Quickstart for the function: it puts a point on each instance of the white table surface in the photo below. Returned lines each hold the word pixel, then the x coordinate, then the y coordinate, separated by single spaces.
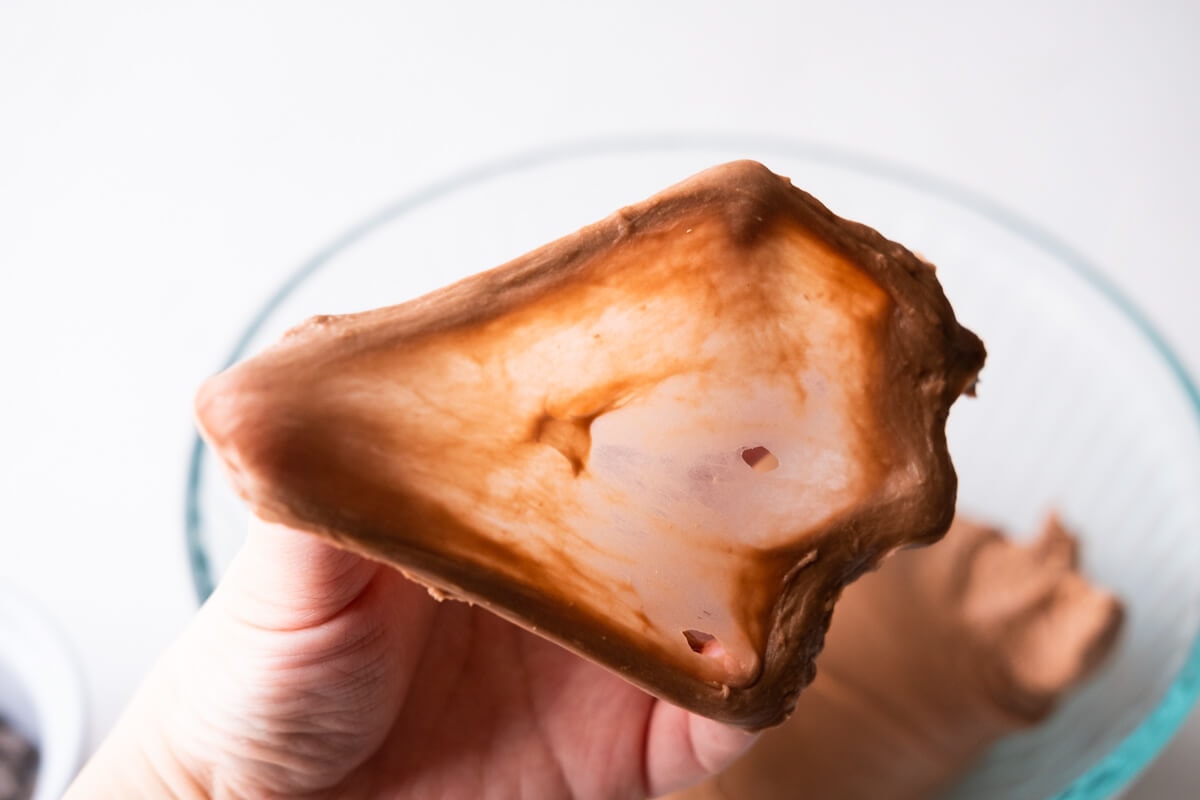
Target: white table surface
pixel 163 166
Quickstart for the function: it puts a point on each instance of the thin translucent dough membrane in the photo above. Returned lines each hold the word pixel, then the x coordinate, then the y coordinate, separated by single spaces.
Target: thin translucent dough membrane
pixel 665 441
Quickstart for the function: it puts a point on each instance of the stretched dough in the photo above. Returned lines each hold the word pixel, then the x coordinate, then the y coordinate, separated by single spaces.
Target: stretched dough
pixel 666 441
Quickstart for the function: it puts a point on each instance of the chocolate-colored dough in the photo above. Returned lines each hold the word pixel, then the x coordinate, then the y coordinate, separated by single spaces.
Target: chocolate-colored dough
pixel 665 441
pixel 929 661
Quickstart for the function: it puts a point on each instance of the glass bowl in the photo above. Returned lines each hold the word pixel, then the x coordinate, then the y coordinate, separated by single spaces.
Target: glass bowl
pixel 41 690
pixel 1082 407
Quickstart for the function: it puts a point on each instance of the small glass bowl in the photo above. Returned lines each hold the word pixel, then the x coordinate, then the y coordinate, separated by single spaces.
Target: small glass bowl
pixel 41 691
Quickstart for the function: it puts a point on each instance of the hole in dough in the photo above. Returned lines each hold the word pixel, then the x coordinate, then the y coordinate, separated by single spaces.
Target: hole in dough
pixel 759 459
pixel 702 642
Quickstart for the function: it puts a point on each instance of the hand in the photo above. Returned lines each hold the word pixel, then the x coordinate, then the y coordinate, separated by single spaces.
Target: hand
pixel 312 672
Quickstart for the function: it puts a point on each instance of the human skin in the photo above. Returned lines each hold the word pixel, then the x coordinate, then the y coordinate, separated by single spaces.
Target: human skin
pixel 315 673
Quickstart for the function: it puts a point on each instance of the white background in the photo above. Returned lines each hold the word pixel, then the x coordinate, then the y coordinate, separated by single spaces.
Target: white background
pixel 163 166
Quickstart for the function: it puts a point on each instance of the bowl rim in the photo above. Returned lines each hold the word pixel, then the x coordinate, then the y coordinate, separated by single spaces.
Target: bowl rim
pixel 1125 761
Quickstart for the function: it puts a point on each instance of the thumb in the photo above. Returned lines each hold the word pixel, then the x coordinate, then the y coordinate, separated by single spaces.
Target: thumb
pixel 285 579
pixel 683 748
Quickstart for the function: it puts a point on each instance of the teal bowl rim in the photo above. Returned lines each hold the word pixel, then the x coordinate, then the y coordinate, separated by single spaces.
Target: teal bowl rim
pixel 1106 777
